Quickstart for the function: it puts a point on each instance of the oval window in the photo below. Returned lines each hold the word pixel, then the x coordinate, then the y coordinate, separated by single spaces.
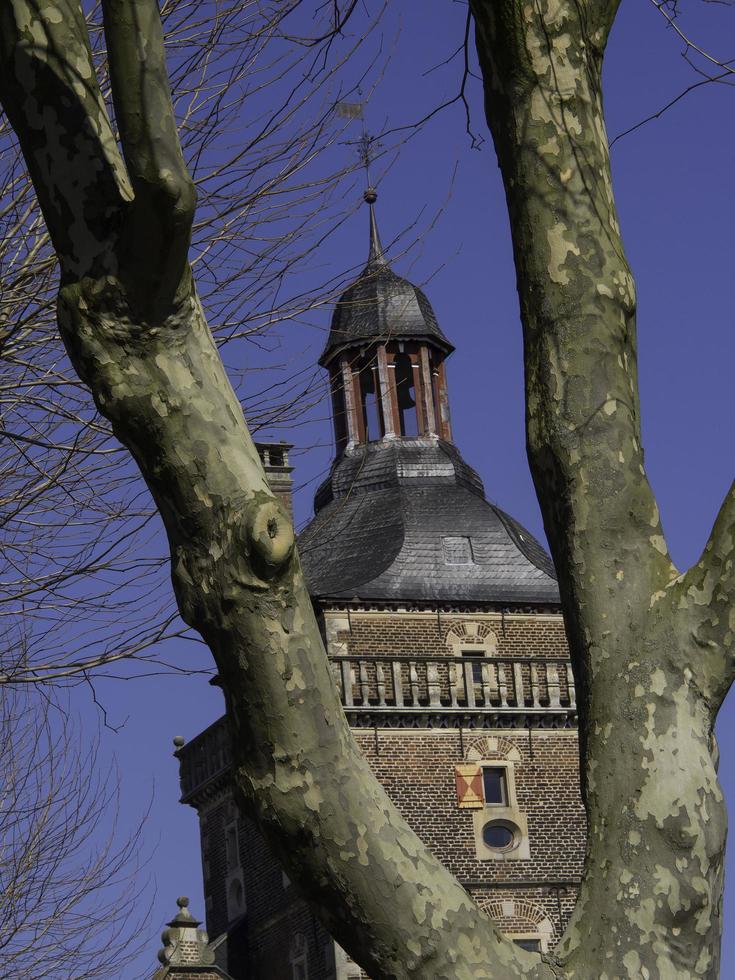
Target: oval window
pixel 499 836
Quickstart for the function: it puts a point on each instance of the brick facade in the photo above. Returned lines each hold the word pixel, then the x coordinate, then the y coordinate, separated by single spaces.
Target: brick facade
pixel 416 767
pixel 440 616
pixel 273 934
pixel 433 632
pixel 274 928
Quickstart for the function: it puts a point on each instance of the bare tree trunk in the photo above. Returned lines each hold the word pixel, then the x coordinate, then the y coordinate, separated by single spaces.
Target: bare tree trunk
pixel 652 649
pixel 134 329
pixel 82 562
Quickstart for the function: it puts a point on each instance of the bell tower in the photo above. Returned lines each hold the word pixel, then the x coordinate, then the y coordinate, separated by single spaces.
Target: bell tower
pixel 443 628
pixel 385 356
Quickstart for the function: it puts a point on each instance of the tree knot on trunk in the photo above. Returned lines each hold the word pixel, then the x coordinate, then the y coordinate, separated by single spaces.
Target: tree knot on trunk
pixel 271 537
pixel 118 315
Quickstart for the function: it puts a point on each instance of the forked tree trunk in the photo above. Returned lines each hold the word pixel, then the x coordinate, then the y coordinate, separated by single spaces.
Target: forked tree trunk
pixel 650 648
pixel 136 334
pixel 297 768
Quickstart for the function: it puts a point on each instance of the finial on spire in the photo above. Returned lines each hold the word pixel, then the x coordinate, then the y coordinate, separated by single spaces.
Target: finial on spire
pixel 375 256
pixel 366 145
pixel 183 917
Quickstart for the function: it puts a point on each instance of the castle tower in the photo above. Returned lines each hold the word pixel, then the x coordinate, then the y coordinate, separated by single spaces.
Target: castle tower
pixel 441 619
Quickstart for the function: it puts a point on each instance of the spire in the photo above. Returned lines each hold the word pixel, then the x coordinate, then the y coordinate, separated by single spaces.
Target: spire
pixel 375 256
pixel 380 304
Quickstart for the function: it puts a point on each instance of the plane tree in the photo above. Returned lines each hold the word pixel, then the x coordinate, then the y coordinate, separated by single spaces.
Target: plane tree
pixel 67 909
pixel 651 646
pixel 83 567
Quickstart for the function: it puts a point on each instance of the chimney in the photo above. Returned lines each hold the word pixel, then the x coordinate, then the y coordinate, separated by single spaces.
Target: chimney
pixel 274 457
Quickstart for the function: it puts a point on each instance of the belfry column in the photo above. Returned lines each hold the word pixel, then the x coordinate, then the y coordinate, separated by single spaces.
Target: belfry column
pixel 418 396
pixel 444 416
pixel 353 430
pixel 426 386
pixel 387 395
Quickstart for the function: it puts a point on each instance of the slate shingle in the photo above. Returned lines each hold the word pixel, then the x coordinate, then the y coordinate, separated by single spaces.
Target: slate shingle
pixel 380 306
pixel 380 524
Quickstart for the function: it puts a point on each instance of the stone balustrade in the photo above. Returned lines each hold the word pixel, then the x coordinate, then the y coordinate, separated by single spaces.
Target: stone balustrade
pixel 205 760
pixel 455 685
pixel 413 691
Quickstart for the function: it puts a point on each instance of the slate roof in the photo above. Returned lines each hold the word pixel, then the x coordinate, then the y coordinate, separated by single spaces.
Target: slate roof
pixel 381 306
pixel 407 520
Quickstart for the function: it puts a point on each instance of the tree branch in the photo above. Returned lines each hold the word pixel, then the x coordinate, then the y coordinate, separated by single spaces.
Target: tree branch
pixel 49 90
pixel 707 593
pixel 644 689
pixel 155 245
pixel 600 19
pixel 543 99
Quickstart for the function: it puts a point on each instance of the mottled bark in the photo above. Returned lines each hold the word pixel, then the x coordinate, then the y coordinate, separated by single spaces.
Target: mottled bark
pixel 134 329
pixel 238 583
pixel 652 649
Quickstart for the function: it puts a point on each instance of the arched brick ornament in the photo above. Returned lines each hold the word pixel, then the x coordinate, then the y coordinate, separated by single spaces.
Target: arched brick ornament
pixel 476 635
pixel 520 919
pixel 492 747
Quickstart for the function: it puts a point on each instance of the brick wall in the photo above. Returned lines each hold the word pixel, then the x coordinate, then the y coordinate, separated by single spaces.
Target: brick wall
pixel 416 767
pixel 278 926
pixel 377 632
pixel 528 896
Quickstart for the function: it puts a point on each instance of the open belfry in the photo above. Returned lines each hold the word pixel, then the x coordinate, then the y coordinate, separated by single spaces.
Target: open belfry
pixel 441 619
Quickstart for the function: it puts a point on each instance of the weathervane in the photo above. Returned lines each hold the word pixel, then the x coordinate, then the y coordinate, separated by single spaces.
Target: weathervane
pixel 366 144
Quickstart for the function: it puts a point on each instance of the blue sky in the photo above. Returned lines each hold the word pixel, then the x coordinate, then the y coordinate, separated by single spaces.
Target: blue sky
pixel 443 201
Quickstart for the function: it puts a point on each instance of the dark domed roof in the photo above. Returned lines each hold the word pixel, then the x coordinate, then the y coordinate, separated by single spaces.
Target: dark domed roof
pixel 407 520
pixel 380 306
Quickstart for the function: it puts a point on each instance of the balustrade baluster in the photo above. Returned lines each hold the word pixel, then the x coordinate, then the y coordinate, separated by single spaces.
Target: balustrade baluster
pixel 502 686
pixel 572 688
pixel 469 684
pixel 552 679
pixel 486 685
pixel 535 687
pixel 380 684
pixel 453 684
pixel 518 685
pixel 364 685
pixel 432 682
pixel 494 690
pixel 397 684
pixel 336 673
pixel 346 667
pixel 414 678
